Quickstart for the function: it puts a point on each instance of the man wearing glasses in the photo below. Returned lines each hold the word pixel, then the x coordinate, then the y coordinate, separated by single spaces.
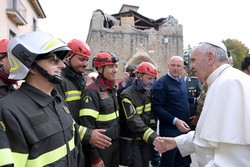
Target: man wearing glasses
pixel 36 121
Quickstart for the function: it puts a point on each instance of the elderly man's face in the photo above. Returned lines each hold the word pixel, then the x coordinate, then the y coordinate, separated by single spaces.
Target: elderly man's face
pixel 175 67
pixel 199 65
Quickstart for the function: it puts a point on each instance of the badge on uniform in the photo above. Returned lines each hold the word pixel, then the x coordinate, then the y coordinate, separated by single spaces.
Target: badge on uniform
pixel 104 95
pixel 66 109
pixel 87 99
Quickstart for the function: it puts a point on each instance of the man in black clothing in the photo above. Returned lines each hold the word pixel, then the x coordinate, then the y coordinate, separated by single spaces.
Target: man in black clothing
pixel 73 80
pixel 100 109
pixel 170 104
pixel 194 90
pixel 136 117
pixel 37 122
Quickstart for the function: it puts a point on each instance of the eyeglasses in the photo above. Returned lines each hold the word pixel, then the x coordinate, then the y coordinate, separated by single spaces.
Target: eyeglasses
pixel 113 59
pixel 52 58
pixel 4 55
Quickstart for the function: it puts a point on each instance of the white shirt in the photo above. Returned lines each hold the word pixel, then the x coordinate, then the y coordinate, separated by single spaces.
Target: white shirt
pixel 222 136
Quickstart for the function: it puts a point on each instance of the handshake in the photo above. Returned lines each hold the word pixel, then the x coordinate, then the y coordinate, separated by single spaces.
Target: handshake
pixel 163 144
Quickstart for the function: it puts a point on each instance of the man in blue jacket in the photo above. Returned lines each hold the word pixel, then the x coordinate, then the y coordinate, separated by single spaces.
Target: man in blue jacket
pixel 170 104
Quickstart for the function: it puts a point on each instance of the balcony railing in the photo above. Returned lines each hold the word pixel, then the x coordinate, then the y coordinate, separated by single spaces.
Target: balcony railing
pixel 17 11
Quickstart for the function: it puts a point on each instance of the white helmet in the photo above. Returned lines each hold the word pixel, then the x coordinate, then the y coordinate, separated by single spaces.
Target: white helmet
pixel 23 51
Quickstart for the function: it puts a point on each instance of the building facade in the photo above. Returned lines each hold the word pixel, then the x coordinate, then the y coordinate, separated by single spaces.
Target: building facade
pixel 135 38
pixel 19 17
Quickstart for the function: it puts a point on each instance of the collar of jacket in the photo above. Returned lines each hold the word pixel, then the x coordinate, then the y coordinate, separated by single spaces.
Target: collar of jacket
pixel 104 83
pixel 78 80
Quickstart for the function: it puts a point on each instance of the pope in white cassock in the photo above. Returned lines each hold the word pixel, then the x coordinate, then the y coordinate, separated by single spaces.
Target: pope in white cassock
pixel 222 136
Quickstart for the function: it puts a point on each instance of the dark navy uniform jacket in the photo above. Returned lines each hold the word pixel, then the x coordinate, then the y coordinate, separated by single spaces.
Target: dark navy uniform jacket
pixel 194 90
pixel 40 129
pixel 71 90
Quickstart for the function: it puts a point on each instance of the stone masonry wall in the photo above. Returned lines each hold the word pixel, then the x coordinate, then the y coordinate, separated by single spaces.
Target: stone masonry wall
pixel 124 41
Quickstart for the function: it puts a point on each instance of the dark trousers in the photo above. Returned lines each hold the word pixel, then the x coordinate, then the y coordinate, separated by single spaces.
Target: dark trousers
pixel 140 154
pixel 110 155
pixel 155 157
pixel 173 157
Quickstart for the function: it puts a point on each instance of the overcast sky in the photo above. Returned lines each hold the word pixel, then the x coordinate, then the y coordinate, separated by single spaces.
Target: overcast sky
pixel 201 19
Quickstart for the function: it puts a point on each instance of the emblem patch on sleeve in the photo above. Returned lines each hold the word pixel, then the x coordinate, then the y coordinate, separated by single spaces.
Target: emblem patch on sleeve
pixel 87 99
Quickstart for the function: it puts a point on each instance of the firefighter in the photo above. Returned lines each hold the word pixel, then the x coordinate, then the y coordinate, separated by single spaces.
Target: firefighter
pixel 6 85
pixel 136 117
pixel 100 109
pixel 37 122
pixel 73 80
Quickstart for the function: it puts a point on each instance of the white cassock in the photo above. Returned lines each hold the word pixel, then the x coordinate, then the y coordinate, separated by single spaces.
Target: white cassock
pixel 222 136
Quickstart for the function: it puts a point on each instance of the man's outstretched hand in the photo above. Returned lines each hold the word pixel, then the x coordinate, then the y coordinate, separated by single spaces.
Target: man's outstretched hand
pixel 99 140
pixel 167 143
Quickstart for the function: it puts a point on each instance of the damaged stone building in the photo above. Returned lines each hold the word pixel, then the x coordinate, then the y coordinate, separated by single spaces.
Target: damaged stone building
pixel 135 38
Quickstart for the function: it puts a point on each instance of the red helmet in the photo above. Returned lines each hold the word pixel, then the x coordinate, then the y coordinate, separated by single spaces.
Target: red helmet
pixel 147 68
pixel 104 58
pixel 3 45
pixel 79 47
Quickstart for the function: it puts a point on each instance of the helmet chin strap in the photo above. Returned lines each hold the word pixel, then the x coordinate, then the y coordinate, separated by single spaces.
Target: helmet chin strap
pixel 55 79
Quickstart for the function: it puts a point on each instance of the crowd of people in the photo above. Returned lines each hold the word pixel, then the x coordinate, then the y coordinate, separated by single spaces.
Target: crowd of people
pixel 60 118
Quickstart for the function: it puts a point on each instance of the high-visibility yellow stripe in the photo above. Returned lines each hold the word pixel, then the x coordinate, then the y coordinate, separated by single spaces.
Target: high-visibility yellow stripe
pixel 146 109
pixel 15 64
pixel 146 135
pixel 82 130
pixel 52 43
pixel 152 121
pixel 73 95
pixel 73 92
pixel 107 117
pixel 73 98
pixel 139 110
pixel 52 156
pixel 125 100
pixel 6 157
pixel 88 112
pixel 20 159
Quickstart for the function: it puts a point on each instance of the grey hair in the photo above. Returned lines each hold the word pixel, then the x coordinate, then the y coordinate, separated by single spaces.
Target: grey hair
pixel 220 53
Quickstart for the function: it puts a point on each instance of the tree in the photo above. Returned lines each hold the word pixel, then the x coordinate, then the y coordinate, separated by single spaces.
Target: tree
pixel 238 51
